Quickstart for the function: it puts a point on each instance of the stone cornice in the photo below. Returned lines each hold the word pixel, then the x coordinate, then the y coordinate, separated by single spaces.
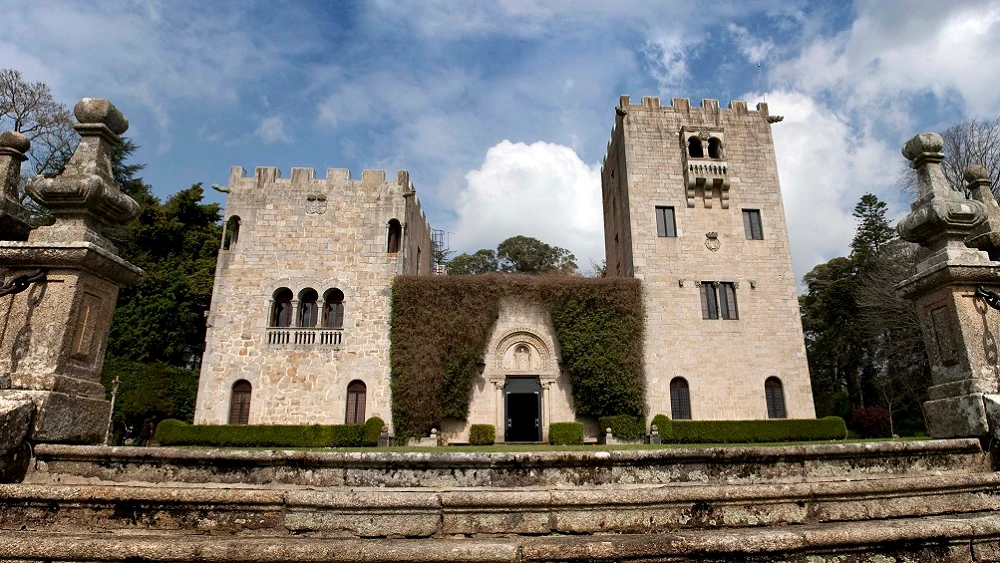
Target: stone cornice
pixel 945 274
pixel 83 255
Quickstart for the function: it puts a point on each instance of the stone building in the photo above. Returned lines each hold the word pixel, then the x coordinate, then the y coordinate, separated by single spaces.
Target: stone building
pixel 692 207
pixel 298 330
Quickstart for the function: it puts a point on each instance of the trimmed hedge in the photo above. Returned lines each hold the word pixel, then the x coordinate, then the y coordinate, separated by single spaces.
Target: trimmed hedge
pixel 434 356
pixel 482 435
pixel 373 429
pixel 566 433
pixel 749 431
pixel 623 426
pixel 172 432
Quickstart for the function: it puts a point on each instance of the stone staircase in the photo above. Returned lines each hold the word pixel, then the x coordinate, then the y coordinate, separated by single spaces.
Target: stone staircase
pixel 901 501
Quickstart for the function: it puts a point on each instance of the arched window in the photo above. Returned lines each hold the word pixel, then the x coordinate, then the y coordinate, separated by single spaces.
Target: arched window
pixel 680 399
pixel 714 147
pixel 356 402
pixel 308 308
pixel 333 309
pixel 395 234
pixel 694 148
pixel 232 232
pixel 775 398
pixel 281 308
pixel 239 402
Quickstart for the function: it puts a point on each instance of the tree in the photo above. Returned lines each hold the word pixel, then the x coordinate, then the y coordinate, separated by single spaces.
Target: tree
pixel 531 256
pixel 970 142
pixel 873 231
pixel 29 109
pixel 480 262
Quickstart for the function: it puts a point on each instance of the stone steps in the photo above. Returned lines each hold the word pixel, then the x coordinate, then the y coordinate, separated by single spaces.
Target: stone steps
pixel 729 465
pixel 950 539
pixel 382 512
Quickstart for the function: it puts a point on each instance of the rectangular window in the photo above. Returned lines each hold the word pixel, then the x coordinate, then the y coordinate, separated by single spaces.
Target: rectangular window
pixel 751 224
pixel 718 301
pixel 665 225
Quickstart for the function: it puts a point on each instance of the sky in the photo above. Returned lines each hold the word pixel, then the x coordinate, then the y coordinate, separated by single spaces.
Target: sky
pixel 502 111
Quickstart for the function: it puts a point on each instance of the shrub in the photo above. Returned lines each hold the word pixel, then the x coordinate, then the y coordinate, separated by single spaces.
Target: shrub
pixel 749 431
pixel 373 429
pixel 176 433
pixel 871 422
pixel 566 433
pixel 482 435
pixel 623 426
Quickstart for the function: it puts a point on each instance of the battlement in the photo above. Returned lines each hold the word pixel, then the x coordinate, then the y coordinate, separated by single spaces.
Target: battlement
pixel 683 105
pixel 272 175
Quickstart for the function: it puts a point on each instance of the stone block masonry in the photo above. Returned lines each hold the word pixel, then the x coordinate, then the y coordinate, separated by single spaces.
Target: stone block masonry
pixel 305 233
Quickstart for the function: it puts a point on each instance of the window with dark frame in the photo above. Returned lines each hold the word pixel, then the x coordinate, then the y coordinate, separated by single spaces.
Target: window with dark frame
pixel 751 224
pixel 281 308
pixel 356 392
pixel 665 224
pixel 308 308
pixel 775 395
pixel 680 399
pixel 239 402
pixel 333 309
pixel 718 301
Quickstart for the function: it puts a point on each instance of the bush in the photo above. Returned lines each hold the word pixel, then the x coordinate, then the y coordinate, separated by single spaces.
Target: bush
pixel 373 429
pixel 176 433
pixel 566 433
pixel 623 426
pixel 482 435
pixel 871 422
pixel 749 431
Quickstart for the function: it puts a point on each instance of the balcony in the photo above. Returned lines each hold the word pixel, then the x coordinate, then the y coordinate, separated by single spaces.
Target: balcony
pixel 299 336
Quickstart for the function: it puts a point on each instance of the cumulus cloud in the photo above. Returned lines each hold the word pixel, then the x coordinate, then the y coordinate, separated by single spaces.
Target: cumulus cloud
pixel 754 49
pixel 272 130
pixel 541 190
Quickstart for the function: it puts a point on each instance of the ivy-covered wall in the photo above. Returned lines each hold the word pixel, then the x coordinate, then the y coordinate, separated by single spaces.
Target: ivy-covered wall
pixel 441 324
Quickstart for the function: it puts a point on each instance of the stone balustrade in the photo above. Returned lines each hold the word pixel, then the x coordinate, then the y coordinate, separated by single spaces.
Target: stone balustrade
pixel 291 336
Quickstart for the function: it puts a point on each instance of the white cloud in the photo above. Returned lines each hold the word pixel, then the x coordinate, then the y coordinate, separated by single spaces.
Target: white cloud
pixel 754 49
pixel 667 56
pixel 541 190
pixel 272 130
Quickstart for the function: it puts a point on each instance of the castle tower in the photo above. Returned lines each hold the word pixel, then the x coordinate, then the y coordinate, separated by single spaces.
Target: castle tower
pixel 692 207
pixel 299 325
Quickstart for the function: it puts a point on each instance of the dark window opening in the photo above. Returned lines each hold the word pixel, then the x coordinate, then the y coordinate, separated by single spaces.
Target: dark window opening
pixel 665 224
pixel 695 149
pixel 356 392
pixel 718 301
pixel 395 234
pixel 775 396
pixel 751 224
pixel 281 308
pixel 680 399
pixel 232 235
pixel 239 402
pixel 333 309
pixel 714 148
pixel 308 308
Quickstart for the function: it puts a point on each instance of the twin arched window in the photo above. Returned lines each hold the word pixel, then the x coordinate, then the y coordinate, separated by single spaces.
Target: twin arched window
pixel 309 312
pixel 680 399
pixel 697 150
pixel 239 402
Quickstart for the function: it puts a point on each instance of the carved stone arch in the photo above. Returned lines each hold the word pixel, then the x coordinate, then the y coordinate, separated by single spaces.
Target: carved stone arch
pixel 523 336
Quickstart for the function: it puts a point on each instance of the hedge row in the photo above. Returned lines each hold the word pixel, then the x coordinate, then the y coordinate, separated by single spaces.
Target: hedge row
pixel 482 435
pixel 749 431
pixel 176 433
pixel 566 434
pixel 598 324
pixel 623 426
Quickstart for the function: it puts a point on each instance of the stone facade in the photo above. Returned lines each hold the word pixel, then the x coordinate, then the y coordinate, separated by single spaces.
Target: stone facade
pixel 650 163
pixel 304 233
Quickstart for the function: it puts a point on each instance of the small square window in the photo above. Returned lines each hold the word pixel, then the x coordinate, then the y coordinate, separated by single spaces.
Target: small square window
pixel 665 225
pixel 751 224
pixel 718 301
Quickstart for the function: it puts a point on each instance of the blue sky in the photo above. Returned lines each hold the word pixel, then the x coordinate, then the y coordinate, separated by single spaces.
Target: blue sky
pixel 501 111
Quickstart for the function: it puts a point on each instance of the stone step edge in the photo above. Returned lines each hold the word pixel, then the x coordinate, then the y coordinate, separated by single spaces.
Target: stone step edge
pixel 968 533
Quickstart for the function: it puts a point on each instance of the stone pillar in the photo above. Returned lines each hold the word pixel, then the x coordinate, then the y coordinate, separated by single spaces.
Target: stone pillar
pixel 14 219
pixel 53 336
pixel 546 408
pixel 960 331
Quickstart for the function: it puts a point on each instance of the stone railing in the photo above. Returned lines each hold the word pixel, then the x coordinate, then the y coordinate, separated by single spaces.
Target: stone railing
pixel 289 336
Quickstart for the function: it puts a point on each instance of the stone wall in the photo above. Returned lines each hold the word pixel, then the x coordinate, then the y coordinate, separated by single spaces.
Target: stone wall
pixel 298 233
pixel 725 362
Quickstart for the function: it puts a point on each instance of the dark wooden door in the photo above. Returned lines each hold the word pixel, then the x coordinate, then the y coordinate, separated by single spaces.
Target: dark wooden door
pixel 524 410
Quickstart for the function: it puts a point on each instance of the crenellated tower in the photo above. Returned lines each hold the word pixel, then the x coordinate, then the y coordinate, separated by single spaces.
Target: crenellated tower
pixel 298 331
pixel 692 207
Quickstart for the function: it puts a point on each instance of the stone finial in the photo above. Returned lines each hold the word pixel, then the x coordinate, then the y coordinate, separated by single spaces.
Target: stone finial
pixel 15 222
pixel 85 197
pixel 940 218
pixel 986 236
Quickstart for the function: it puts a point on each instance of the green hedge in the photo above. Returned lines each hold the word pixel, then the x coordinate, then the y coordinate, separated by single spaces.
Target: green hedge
pixel 172 432
pixel 482 435
pixel 373 429
pixel 566 434
pixel 623 426
pixel 749 431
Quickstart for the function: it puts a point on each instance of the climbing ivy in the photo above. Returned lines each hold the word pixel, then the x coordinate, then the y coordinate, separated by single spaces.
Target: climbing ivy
pixel 441 326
